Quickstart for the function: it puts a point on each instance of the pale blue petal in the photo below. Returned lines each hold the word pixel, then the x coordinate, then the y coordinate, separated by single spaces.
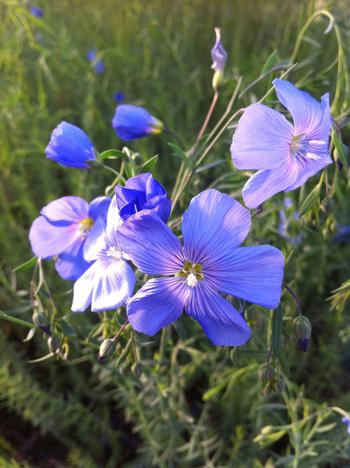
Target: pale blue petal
pixel 99 207
pixel 48 240
pixel 150 244
pixel 71 264
pixel 66 210
pixel 254 274
pixel 221 322
pixel 157 304
pixel 262 139
pixel 213 224
pixel 95 241
pixel 114 283
pixel 264 184
pixel 83 287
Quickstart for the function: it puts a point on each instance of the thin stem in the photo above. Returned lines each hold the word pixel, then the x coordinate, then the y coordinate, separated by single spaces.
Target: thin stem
pixel 16 320
pixel 110 169
pixel 205 123
pixel 294 296
pixel 120 331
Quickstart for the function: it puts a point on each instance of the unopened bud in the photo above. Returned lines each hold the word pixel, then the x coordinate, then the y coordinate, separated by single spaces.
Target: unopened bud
pixel 106 349
pixel 303 329
pixel 266 373
pixel 136 369
pixel 41 322
pixel 53 344
pixel 219 57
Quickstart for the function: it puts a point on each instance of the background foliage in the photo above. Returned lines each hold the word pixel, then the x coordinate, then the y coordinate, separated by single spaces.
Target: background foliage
pixel 174 400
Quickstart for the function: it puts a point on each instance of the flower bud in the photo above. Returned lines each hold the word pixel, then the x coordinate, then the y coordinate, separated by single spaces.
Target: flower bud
pixel 41 322
pixel 53 344
pixel 219 57
pixel 266 373
pixel 302 327
pixel 106 349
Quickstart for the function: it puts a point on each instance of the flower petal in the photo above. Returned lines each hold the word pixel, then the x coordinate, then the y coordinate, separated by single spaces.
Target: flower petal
pixel 82 291
pixel 308 168
pixel 262 139
pixel 66 210
pixel 222 323
pixel 114 283
pixel 157 304
pixel 71 264
pixel 264 184
pixel 254 274
pixel 213 223
pixel 310 117
pixel 95 240
pixel 150 244
pixel 99 207
pixel 48 240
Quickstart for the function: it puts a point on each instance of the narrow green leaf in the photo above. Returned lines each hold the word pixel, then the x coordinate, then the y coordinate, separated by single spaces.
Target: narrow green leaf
pixel 311 200
pixel 110 154
pixel 179 153
pixel 67 330
pixel 270 62
pixel 277 322
pixel 149 165
pixel 282 358
pixel 26 265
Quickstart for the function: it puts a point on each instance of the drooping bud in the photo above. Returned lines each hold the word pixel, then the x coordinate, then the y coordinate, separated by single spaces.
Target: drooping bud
pixel 219 57
pixel 106 349
pixel 303 329
pixel 41 322
pixel 53 344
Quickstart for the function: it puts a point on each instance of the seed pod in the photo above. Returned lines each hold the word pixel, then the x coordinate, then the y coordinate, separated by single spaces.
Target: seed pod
pixel 106 349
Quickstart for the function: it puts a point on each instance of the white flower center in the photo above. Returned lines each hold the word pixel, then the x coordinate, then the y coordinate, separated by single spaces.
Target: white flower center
pixel 115 253
pixel 192 280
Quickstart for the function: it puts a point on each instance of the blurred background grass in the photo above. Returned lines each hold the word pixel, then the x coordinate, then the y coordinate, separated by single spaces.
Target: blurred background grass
pixel 207 409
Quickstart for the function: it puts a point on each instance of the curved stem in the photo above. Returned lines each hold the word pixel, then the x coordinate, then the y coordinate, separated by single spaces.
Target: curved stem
pixel 294 296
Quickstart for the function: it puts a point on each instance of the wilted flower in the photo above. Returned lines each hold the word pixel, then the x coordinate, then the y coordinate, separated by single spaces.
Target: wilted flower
pixel 285 155
pixel 97 63
pixel 37 12
pixel 63 228
pixel 210 262
pixel 69 146
pixel 219 57
pixel 109 281
pixel 142 192
pixel 133 122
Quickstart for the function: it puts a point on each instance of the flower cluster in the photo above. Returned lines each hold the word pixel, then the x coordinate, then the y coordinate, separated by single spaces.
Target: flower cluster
pixel 99 245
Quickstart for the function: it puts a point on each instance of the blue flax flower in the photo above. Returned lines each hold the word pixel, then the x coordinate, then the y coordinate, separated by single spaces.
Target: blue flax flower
pixel 346 421
pixel 133 122
pixel 142 192
pixel 210 262
pixel 62 230
pixel 284 154
pixel 97 63
pixel 37 12
pixel 119 97
pixel 69 146
pixel 109 281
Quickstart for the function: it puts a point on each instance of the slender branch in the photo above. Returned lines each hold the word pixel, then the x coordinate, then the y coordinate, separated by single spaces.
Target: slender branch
pixel 120 331
pixel 294 296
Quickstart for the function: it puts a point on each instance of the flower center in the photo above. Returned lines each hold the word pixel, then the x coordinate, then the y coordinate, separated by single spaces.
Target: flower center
pixel 114 253
pixel 192 272
pixel 86 225
pixel 303 148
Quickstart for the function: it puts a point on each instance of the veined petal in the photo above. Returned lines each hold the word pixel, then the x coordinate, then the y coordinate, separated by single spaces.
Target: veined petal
pixel 99 207
pixel 157 304
pixel 308 168
pixel 71 264
pixel 262 139
pixel 82 291
pixel 48 240
pixel 95 240
pixel 264 184
pixel 113 284
pixel 310 117
pixel 222 323
pixel 66 210
pixel 113 222
pixel 213 223
pixel 150 244
pixel 254 274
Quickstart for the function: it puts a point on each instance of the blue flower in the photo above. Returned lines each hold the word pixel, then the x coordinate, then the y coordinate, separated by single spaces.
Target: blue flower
pixel 346 421
pixel 69 146
pixel 109 282
pixel 284 154
pixel 62 230
pixel 343 234
pixel 210 262
pixel 142 192
pixel 132 122
pixel 97 63
pixel 37 12
pixel 119 97
pixel 218 53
